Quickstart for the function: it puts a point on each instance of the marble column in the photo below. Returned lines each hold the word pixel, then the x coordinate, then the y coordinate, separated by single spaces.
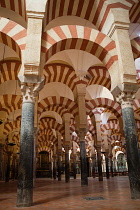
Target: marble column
pixel 35 155
pixel 74 159
pixel 54 167
pixel 25 173
pixel 97 115
pixel 59 156
pixel 107 166
pixel 67 164
pixel 111 165
pixel 67 146
pixel 126 98
pixel 84 172
pixel 93 166
pixel 59 166
pixel 99 160
pixel 74 166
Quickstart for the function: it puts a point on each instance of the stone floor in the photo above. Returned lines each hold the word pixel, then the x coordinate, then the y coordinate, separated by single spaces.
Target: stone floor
pixel 53 195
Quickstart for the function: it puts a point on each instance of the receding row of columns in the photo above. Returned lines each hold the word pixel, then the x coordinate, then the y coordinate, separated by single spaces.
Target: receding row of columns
pixel 25 177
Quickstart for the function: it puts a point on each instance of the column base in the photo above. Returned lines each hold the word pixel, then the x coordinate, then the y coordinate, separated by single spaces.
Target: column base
pixel 24 198
pixel 84 183
pixel 101 178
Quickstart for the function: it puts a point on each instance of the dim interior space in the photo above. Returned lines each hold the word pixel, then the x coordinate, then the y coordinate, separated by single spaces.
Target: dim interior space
pixel 69 104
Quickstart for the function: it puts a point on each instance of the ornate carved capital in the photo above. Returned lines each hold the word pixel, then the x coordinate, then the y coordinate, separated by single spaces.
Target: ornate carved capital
pixel 126 99
pixel 29 91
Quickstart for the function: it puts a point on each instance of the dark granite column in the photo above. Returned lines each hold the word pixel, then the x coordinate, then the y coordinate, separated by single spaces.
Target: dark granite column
pixel 99 160
pixel 59 167
pixel 111 166
pixel 131 144
pixel 67 164
pixel 25 173
pixel 74 166
pixel 93 166
pixel 54 167
pixel 84 172
pixel 107 166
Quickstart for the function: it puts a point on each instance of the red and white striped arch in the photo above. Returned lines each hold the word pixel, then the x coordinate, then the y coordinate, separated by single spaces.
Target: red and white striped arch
pixel 62 73
pixel 136 106
pixel 99 75
pixel 120 149
pixel 11 126
pixel 115 137
pixel 15 31
pixel 103 102
pixel 43 147
pixel 69 105
pixel 75 138
pixel 16 139
pixel 91 129
pixel 58 109
pixel 51 123
pixel 80 38
pixel 9 103
pixel 19 7
pixel 135 43
pixel 5 39
pixel 95 11
pixel 135 13
pixel 110 126
pixel 9 70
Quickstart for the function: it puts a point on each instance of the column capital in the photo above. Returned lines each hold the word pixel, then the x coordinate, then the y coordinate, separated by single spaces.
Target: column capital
pixel 30 86
pixel 82 133
pixel 126 99
pixel 98 147
pixel 67 145
pixel 30 91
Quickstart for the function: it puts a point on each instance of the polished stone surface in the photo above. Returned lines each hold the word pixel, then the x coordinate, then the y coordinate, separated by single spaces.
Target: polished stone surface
pixel 25 173
pixel 50 194
pixel 132 151
pixel 84 173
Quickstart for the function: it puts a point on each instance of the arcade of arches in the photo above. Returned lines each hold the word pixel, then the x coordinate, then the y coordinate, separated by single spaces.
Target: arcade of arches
pixel 69 91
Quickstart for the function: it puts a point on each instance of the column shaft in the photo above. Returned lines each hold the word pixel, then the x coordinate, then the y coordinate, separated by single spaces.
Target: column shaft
pixel 67 166
pixel 7 173
pixel 59 168
pixel 111 167
pixel 84 173
pixel 54 168
pixel 132 151
pixel 74 166
pixel 93 167
pixel 25 174
pixel 99 159
pixel 107 166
